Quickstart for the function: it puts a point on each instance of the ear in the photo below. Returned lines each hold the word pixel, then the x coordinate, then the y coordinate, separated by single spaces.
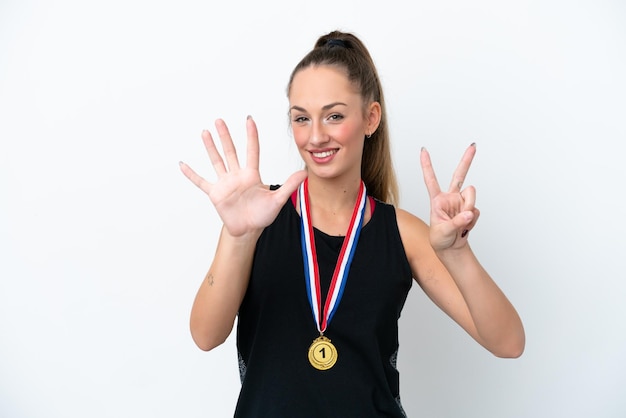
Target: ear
pixel 373 116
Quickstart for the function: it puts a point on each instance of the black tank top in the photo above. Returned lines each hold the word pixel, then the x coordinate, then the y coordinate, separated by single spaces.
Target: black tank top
pixel 276 327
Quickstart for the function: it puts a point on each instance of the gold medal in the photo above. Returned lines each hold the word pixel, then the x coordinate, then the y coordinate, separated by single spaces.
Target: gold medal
pixel 322 353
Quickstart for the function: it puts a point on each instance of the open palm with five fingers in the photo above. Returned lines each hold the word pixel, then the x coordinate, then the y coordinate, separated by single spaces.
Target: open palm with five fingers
pixel 242 201
pixel 452 213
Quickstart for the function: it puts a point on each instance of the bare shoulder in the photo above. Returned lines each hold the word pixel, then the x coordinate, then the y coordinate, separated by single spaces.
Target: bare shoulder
pixel 410 225
pixel 414 233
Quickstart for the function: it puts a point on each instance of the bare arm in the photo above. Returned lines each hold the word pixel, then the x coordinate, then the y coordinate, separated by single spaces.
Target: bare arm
pixel 246 206
pixel 498 325
pixel 222 290
pixel 446 268
pixel 463 290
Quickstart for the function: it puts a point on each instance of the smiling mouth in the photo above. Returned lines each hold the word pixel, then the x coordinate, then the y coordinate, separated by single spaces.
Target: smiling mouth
pixel 324 154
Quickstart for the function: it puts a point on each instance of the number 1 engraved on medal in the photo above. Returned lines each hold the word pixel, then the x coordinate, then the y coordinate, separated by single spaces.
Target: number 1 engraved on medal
pixel 322 353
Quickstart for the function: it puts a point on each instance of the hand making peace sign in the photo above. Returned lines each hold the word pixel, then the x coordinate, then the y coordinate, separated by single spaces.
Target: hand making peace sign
pixel 452 213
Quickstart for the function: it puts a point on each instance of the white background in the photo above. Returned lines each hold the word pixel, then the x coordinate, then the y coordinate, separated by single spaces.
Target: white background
pixel 103 242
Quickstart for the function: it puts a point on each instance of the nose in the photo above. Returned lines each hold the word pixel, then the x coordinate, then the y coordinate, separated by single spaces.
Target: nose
pixel 319 136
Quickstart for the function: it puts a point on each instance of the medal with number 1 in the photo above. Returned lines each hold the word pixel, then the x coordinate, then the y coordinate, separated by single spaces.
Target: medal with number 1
pixel 322 353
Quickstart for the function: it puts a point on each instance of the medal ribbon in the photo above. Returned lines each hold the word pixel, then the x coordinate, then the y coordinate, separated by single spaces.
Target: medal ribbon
pixel 311 268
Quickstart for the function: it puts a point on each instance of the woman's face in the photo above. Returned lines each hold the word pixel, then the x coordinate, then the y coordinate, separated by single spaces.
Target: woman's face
pixel 327 121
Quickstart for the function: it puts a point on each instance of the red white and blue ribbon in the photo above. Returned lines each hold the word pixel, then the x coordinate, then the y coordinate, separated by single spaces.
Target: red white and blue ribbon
pixel 311 268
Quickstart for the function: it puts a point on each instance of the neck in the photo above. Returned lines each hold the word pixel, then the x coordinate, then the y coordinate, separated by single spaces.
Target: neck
pixel 335 196
pixel 332 204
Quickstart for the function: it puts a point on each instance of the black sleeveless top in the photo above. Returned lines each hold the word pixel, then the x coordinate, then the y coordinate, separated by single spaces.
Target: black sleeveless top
pixel 276 326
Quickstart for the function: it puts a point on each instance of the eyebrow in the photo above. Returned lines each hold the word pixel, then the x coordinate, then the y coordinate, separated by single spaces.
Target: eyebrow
pixel 325 107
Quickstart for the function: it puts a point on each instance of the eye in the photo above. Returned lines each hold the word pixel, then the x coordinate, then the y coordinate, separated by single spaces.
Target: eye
pixel 300 119
pixel 335 117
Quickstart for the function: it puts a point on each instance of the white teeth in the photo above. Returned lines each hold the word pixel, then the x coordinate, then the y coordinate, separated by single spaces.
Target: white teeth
pixel 324 154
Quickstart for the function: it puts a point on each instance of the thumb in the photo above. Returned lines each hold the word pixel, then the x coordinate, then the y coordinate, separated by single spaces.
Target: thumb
pixel 461 221
pixel 290 185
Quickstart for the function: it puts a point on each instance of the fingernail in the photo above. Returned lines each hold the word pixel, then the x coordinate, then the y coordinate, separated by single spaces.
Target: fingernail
pixel 464 233
pixel 473 144
pixel 249 117
pixel 423 148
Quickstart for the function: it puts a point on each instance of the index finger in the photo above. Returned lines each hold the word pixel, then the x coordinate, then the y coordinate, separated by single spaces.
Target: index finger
pixel 432 185
pixel 461 170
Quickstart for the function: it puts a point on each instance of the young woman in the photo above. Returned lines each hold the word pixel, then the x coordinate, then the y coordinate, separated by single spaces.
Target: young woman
pixel 317 271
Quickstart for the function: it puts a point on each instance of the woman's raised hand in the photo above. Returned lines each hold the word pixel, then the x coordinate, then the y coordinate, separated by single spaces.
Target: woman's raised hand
pixel 242 201
pixel 452 213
